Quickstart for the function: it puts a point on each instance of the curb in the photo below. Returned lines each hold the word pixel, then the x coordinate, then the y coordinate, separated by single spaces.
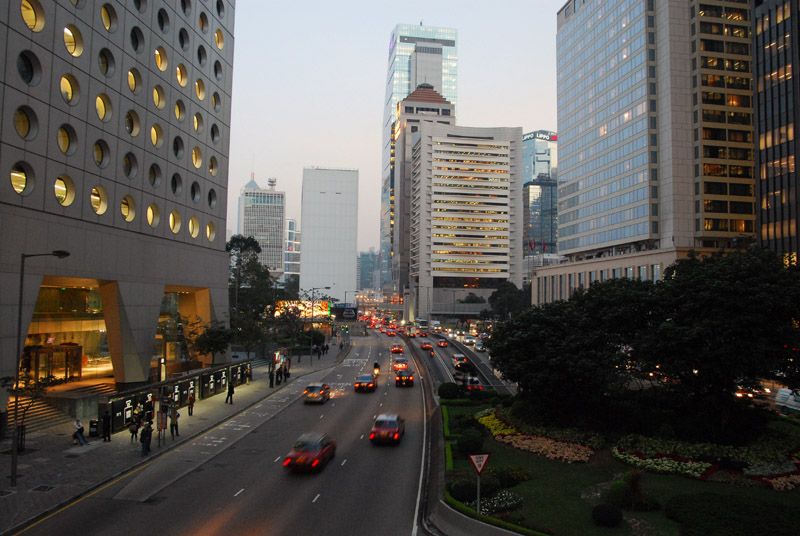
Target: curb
pixel 24 524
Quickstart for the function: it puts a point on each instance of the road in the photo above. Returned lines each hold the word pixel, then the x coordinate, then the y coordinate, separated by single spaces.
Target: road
pixel 230 480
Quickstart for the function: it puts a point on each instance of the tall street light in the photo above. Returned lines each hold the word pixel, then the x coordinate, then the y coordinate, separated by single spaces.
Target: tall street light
pixel 61 254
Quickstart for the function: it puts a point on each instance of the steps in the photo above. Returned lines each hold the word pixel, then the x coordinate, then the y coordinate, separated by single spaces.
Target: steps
pixel 39 415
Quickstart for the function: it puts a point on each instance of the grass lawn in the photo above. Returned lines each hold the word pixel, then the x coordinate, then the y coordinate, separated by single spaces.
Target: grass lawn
pixel 560 496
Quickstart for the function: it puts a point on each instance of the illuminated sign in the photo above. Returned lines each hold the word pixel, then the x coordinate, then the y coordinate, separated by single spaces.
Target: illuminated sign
pixel 303 308
pixel 544 135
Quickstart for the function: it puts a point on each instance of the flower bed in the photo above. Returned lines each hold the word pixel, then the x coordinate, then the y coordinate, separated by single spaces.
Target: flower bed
pixel 784 483
pixel 502 501
pixel 663 464
pixel 543 446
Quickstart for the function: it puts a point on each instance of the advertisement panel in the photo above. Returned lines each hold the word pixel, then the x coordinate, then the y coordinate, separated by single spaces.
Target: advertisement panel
pixel 302 308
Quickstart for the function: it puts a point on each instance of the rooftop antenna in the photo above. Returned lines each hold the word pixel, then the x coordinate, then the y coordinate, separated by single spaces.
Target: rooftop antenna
pixel 272 182
pixel 420 22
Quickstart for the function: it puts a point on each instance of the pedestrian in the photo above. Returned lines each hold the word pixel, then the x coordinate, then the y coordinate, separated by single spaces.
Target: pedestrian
pixel 271 379
pixel 242 375
pixel 190 403
pixel 106 426
pixel 230 393
pixel 77 435
pixel 133 428
pixel 279 376
pixel 145 437
pixel 174 415
pixel 341 345
pixel 326 348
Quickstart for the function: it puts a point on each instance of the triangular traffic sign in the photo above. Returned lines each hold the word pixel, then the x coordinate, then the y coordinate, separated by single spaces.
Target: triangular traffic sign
pixel 478 461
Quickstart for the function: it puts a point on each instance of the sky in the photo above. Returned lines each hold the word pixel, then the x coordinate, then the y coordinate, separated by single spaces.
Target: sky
pixel 309 84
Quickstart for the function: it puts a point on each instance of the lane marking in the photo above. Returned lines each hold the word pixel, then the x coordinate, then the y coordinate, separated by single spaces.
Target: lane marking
pixel 362 436
pixel 315 499
pixel 238 492
pixel 414 527
pixel 380 405
pixel 276 459
pixel 344 462
pixel 321 416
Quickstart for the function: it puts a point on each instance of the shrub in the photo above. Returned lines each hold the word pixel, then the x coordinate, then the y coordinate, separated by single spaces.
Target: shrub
pixel 460 423
pixel 465 489
pixel 502 501
pixel 716 514
pixel 470 442
pixel 511 476
pixel 606 515
pixel 449 390
pixel 628 494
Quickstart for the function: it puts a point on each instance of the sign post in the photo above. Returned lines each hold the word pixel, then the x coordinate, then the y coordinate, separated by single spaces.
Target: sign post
pixel 478 462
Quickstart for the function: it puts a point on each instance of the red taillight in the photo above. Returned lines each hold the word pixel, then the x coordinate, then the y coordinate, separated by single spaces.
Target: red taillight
pixel 315 462
pixel 397 378
pixel 411 378
pixel 287 462
pixel 372 435
pixel 396 436
pixel 369 385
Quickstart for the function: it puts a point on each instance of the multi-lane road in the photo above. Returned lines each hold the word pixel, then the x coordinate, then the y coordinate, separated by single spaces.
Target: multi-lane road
pixel 230 480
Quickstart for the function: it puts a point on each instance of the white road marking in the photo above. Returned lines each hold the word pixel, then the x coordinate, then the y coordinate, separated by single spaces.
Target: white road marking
pixel 374 416
pixel 276 459
pixel 362 436
pixel 315 498
pixel 421 463
pixel 344 462
pixel 321 416
pixel 380 405
pixel 238 492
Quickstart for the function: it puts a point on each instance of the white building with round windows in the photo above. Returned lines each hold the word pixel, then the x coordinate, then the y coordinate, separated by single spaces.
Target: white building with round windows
pixel 114 140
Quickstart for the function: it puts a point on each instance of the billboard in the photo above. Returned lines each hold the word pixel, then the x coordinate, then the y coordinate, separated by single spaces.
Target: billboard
pixel 544 135
pixel 303 308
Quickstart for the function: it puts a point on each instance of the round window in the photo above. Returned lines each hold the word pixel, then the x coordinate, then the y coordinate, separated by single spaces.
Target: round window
pixel 64 190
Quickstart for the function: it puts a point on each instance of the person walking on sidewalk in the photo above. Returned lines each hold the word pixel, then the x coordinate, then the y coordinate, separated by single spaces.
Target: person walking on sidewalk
pixel 78 434
pixel 133 428
pixel 145 437
pixel 173 421
pixel 106 426
pixel 190 403
pixel 271 379
pixel 230 393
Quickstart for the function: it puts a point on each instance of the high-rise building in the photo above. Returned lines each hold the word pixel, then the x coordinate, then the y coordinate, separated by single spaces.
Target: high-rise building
pixel 262 215
pixel 330 231
pixel 466 218
pixel 368 272
pixel 291 256
pixel 656 144
pixel 114 147
pixel 540 192
pixel 417 54
pixel 775 58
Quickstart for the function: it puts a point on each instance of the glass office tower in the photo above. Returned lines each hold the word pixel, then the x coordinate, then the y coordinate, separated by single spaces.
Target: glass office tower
pixel 417 54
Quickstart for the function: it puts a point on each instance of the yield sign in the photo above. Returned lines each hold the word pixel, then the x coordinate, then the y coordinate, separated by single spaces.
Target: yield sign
pixel 478 461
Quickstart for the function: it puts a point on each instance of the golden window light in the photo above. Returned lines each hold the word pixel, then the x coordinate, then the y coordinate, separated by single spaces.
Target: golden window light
pixel 153 215
pixel 64 190
pixel 175 221
pixel 32 15
pixel 102 105
pixel 194 227
pixel 69 89
pixel 127 208
pixel 99 200
pixel 21 180
pixel 181 76
pixel 73 41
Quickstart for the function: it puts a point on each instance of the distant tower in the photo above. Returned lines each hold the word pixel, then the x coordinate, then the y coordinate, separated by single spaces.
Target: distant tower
pixel 262 215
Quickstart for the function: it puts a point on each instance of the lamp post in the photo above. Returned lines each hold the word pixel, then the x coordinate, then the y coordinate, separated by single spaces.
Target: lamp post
pixel 59 253
pixel 311 343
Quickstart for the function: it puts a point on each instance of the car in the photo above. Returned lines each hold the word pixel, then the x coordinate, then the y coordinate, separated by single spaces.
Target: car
pixel 459 359
pixel 382 329
pixel 388 428
pixel 311 452
pixel 469 340
pixel 404 378
pixel 397 349
pixel 422 334
pixel 365 382
pixel 442 343
pixel 411 334
pixel 426 346
pixel 318 393
pixel 474 384
pixel 400 363
pixel 479 346
pixel 391 333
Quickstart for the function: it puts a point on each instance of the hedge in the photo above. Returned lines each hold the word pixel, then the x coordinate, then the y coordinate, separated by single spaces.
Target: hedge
pixel 470 512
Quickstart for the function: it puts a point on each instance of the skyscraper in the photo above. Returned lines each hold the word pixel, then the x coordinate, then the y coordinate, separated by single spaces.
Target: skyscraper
pixel 540 192
pixel 291 259
pixel 114 147
pixel 417 54
pixel 367 269
pixel 262 213
pixel 655 144
pixel 775 58
pixel 330 231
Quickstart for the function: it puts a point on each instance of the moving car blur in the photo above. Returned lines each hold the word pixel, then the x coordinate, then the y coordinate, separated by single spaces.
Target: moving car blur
pixel 311 452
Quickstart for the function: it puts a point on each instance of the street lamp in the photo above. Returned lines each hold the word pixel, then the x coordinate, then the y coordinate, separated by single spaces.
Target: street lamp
pixel 311 343
pixel 59 253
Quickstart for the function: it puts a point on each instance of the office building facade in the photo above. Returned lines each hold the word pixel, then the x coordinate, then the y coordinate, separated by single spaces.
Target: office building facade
pixel 775 46
pixel 262 215
pixel 114 147
pixel 417 54
pixel 330 231
pixel 540 192
pixel 655 146
pixel 291 255
pixel 368 272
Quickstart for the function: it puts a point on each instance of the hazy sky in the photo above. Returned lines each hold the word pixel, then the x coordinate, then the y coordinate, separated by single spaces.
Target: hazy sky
pixel 309 82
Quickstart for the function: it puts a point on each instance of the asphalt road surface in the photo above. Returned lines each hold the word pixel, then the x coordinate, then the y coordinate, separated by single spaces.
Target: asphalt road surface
pixel 230 480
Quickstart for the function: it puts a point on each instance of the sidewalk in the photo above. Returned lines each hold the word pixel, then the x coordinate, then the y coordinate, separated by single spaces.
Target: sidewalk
pixel 53 472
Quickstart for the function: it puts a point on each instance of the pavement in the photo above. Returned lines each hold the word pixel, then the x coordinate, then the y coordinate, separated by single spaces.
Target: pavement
pixel 53 472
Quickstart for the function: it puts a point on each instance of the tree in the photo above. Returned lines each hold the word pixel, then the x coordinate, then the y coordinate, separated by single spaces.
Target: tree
pixel 213 340
pixel 508 300
pixel 291 288
pixel 473 298
pixel 241 249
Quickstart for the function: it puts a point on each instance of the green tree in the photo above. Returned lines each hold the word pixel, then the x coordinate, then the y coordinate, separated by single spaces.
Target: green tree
pixel 214 339
pixel 508 300
pixel 291 288
pixel 473 298
pixel 241 249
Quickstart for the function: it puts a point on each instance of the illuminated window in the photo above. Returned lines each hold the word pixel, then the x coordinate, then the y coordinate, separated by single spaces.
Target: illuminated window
pixel 64 190
pixel 156 136
pixel 197 158
pixel 109 17
pixel 211 232
pixel 127 208
pixel 180 110
pixel 158 97
pixel 69 89
pixel 219 39
pixel 134 80
pixel 102 105
pixel 132 123
pixel 73 41
pixel 99 200
pixel 180 75
pixel 32 15
pixel 175 221
pixel 25 123
pixel 200 89
pixel 21 178
pixel 153 215
pixel 198 122
pixel 194 227
pixel 67 139
pixel 161 58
